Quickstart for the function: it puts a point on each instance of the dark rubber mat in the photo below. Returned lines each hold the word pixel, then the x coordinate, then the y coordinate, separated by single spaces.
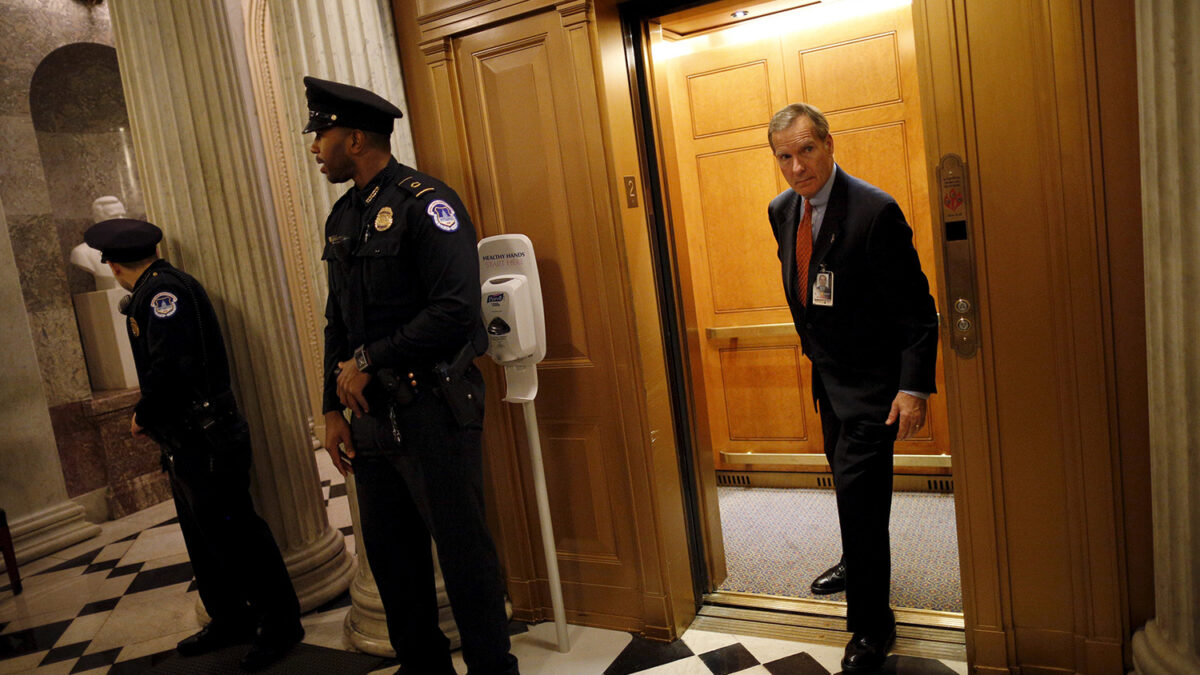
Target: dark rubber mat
pixel 301 660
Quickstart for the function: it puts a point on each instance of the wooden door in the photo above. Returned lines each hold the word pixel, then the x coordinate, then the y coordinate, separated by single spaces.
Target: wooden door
pixel 715 94
pixel 537 171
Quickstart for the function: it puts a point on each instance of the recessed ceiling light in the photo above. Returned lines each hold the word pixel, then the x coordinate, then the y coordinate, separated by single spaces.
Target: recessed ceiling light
pixel 740 13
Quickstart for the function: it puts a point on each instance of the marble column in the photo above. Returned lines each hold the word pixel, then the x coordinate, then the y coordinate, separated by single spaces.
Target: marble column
pixel 350 41
pixel 1168 41
pixel 32 490
pixel 185 72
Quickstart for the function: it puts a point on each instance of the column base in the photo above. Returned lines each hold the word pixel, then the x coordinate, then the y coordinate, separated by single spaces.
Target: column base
pixel 321 571
pixel 1153 654
pixel 366 622
pixel 49 530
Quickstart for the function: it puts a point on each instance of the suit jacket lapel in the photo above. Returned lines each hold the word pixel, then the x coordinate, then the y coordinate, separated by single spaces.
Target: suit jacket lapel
pixel 831 224
pixel 789 220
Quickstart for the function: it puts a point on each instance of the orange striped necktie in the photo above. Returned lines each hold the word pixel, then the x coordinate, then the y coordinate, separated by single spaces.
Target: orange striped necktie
pixel 804 245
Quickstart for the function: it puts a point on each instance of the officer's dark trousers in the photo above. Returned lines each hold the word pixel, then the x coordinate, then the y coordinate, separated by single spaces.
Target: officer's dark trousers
pixel 431 484
pixel 859 450
pixel 239 572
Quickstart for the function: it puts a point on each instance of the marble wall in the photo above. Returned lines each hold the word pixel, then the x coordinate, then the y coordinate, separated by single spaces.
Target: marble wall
pixel 83 139
pixel 64 141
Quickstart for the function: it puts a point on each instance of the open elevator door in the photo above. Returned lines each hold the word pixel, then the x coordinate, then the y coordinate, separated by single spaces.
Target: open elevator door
pixel 715 84
pixel 714 80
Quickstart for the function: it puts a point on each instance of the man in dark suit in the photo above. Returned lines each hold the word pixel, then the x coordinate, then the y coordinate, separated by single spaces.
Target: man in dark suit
pixel 862 307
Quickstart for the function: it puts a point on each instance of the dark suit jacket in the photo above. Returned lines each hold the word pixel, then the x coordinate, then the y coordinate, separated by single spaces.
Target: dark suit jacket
pixel 880 335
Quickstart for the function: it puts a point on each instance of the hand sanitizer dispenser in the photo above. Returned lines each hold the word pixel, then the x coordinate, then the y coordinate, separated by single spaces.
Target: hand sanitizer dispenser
pixel 512 311
pixel 508 318
pixel 516 328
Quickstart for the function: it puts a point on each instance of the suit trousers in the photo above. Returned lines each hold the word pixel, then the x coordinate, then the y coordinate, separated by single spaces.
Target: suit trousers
pixel 430 485
pixel 240 574
pixel 859 450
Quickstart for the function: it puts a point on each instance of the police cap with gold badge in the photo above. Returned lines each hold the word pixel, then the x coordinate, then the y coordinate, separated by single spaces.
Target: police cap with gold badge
pixel 123 240
pixel 333 104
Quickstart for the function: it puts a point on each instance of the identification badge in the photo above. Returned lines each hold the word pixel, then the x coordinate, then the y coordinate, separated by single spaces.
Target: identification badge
pixel 383 219
pixel 822 292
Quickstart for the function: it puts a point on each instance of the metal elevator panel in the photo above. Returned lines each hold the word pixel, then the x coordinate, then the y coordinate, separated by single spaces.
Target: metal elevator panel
pixel 959 255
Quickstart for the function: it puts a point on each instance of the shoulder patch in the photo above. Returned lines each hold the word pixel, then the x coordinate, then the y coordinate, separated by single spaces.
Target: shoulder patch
pixel 164 304
pixel 443 215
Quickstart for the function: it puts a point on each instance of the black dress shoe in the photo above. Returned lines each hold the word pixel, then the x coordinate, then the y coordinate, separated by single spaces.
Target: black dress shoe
pixel 832 580
pixel 269 647
pixel 214 636
pixel 866 653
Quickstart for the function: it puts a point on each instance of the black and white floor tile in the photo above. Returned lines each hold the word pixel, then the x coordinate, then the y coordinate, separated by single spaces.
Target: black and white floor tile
pixel 118 603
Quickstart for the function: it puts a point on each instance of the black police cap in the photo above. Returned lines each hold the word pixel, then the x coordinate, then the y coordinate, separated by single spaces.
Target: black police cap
pixel 333 104
pixel 123 240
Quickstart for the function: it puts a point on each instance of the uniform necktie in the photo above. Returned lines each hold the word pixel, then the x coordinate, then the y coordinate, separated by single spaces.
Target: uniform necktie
pixel 804 244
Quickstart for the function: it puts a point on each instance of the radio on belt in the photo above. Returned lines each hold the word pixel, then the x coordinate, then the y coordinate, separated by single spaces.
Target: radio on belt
pixel 508 317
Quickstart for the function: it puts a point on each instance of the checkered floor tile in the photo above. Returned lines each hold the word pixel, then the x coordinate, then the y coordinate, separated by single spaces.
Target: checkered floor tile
pixel 117 604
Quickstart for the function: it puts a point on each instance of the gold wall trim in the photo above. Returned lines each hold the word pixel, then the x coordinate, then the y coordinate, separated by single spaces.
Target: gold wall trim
pixel 748 626
pixel 760 330
pixel 920 632
pixel 922 617
pixel 815 459
pixel 573 12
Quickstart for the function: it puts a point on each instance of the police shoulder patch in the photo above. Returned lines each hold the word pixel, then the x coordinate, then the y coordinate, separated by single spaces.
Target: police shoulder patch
pixel 443 215
pixel 164 304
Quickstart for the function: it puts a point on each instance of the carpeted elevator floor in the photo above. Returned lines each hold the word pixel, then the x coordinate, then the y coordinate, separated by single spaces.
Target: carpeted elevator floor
pixel 778 539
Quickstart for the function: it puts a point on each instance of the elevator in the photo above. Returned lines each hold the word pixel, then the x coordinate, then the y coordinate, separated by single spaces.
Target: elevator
pixel 714 75
pixel 534 111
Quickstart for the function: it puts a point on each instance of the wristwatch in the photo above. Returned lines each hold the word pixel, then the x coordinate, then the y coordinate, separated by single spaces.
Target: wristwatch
pixel 361 360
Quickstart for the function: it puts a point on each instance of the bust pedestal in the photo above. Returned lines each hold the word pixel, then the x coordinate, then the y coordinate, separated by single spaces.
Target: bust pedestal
pixel 105 344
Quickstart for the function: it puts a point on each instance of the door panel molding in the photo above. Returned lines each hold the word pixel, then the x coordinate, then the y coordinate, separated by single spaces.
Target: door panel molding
pixel 517 126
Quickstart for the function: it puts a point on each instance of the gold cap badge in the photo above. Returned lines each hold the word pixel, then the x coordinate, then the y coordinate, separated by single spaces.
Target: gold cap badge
pixel 383 220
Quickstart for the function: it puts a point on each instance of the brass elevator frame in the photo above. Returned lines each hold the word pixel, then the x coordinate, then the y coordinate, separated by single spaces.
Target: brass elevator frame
pixel 932 633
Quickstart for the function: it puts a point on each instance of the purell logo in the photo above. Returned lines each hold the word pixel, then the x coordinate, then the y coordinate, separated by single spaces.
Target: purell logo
pixel 495 297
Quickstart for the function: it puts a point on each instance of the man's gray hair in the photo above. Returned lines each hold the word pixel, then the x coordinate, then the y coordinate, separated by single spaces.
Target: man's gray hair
pixel 785 117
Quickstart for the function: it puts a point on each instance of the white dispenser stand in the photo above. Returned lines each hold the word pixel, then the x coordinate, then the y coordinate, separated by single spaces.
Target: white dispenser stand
pixel 513 316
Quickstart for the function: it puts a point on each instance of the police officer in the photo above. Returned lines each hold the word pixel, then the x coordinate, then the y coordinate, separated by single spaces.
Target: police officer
pixel 403 324
pixel 188 408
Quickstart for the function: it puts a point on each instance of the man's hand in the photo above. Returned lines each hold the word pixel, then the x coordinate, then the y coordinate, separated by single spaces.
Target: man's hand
pixel 135 429
pixel 910 411
pixel 338 442
pixel 350 384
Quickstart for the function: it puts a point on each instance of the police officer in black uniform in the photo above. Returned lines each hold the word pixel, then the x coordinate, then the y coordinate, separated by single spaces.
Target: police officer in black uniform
pixel 188 408
pixel 403 324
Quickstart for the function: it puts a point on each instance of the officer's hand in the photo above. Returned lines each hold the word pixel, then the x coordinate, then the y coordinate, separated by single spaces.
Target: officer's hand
pixel 338 442
pixel 135 429
pixel 350 384
pixel 910 411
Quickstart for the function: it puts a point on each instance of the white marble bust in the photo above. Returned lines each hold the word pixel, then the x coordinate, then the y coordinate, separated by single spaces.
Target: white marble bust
pixel 88 258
